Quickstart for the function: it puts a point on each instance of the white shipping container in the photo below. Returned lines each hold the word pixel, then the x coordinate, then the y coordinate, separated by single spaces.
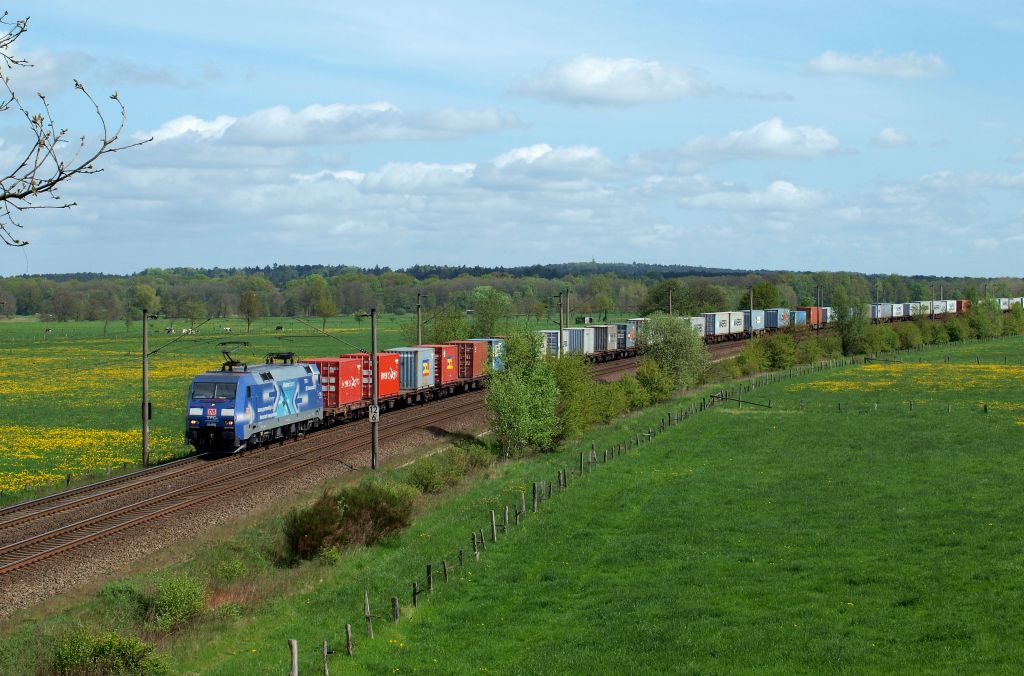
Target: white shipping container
pixel 698 324
pixel 951 307
pixel 716 323
pixel 736 322
pixel 1004 303
pixel 897 310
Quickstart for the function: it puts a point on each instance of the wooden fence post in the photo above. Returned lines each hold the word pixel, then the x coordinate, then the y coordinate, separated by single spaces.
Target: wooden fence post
pixel 504 528
pixel 462 559
pixel 483 543
pixel 348 639
pixel 394 607
pixel 476 552
pixel 494 528
pixel 535 497
pixel 415 593
pixel 326 670
pixel 522 502
pixel 430 578
pixel 581 463
pixel 366 613
pixel 444 569
pixel 605 453
pixel 293 645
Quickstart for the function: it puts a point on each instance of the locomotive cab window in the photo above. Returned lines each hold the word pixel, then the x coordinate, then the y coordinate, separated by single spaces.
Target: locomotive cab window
pixel 213 391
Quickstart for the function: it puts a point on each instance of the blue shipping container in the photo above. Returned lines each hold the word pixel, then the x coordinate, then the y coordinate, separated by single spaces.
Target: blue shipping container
pixel 753 320
pixel 622 335
pixel 415 367
pixel 799 317
pixel 777 318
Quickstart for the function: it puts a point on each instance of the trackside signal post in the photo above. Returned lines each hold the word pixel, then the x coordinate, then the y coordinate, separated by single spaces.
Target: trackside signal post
pixel 419 319
pixel 145 387
pixel 374 395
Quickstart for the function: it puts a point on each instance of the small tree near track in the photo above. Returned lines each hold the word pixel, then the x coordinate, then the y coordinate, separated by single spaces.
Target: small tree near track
pixel 676 348
pixel 524 398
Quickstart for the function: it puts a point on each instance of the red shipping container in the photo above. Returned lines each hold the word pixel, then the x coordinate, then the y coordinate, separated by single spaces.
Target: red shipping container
pixel 472 357
pixel 813 315
pixel 962 306
pixel 341 380
pixel 387 373
pixel 446 363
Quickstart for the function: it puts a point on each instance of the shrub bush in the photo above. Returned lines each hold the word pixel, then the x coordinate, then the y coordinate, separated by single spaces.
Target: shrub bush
pixel 779 350
pixel 635 394
pixel 373 510
pixel 909 334
pixel 176 599
pixel 808 350
pixel 307 530
pixel 657 383
pixel 427 475
pixel 229 571
pixel 81 652
pixel 613 401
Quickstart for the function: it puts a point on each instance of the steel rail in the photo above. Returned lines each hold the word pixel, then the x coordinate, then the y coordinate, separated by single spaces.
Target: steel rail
pixel 45 545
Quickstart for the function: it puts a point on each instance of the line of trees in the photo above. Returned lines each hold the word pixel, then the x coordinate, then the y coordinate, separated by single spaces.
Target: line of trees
pixel 198 294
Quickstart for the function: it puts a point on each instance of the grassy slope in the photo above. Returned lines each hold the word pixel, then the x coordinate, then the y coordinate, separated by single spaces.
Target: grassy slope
pixel 743 540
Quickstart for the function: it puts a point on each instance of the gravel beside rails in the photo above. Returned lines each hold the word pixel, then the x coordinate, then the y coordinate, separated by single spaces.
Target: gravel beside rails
pixel 111 556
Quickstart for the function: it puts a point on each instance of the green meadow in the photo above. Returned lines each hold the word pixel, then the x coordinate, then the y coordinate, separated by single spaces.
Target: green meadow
pixel 837 531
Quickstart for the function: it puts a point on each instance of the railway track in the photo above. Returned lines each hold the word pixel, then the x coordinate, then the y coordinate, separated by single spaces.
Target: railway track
pixel 326 446
pixel 39 547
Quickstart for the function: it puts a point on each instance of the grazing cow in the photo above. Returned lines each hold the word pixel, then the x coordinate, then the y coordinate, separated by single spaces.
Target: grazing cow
pixel 226 329
pixel 188 332
pixel 169 329
pixel 48 331
pixel 279 328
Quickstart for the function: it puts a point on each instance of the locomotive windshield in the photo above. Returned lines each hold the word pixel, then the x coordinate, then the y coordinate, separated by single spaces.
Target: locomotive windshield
pixel 213 390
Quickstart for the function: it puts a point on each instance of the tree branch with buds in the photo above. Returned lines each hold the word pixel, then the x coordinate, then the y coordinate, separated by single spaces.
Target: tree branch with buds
pixel 52 159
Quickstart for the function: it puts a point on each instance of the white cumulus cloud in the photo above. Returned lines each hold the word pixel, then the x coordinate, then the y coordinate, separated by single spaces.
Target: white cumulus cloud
pixel 778 196
pixel 909 65
pixel 336 123
pixel 603 81
pixel 771 138
pixel 890 138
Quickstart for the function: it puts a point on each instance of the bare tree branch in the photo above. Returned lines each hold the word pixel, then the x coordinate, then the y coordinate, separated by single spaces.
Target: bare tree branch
pixel 52 159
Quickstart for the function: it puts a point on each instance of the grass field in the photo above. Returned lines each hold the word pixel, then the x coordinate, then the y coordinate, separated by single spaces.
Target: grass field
pixel 70 399
pixel 745 540
pixel 796 539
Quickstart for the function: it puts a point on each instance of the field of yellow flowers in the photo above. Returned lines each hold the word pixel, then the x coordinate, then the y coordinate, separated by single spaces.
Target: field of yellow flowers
pixel 70 399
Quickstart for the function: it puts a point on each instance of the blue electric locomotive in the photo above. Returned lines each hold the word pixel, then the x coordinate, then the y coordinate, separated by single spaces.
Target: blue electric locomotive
pixel 244 406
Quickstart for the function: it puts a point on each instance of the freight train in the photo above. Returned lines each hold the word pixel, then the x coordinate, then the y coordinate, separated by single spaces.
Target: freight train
pixel 242 406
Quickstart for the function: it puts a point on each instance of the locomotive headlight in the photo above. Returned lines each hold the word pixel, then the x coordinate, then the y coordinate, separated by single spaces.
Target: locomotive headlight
pixel 193 422
pixel 229 423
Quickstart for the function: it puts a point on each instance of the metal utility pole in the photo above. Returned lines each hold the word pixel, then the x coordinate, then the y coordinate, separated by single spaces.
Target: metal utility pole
pixel 567 306
pixel 560 324
pixel 145 387
pixel 670 301
pixel 374 396
pixel 419 319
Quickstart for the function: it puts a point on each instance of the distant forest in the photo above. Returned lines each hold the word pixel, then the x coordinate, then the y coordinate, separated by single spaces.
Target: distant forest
pixel 325 290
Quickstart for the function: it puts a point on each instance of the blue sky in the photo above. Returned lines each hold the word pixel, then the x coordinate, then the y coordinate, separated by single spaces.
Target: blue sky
pixel 800 135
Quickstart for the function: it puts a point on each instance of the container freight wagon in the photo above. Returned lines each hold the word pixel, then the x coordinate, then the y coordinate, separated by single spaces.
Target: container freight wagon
pixel 415 367
pixel 495 352
pixel 913 309
pixel 697 324
pixel 341 383
pixel 621 331
pixel 812 316
pixel 580 340
pixel 387 374
pixel 881 312
pixel 799 318
pixel 716 325
pixel 472 357
pixel 606 337
pixel 232 410
pixel 446 363
pixel 897 311
pixel 753 321
pixel 633 327
pixel 777 318
pixel 828 315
